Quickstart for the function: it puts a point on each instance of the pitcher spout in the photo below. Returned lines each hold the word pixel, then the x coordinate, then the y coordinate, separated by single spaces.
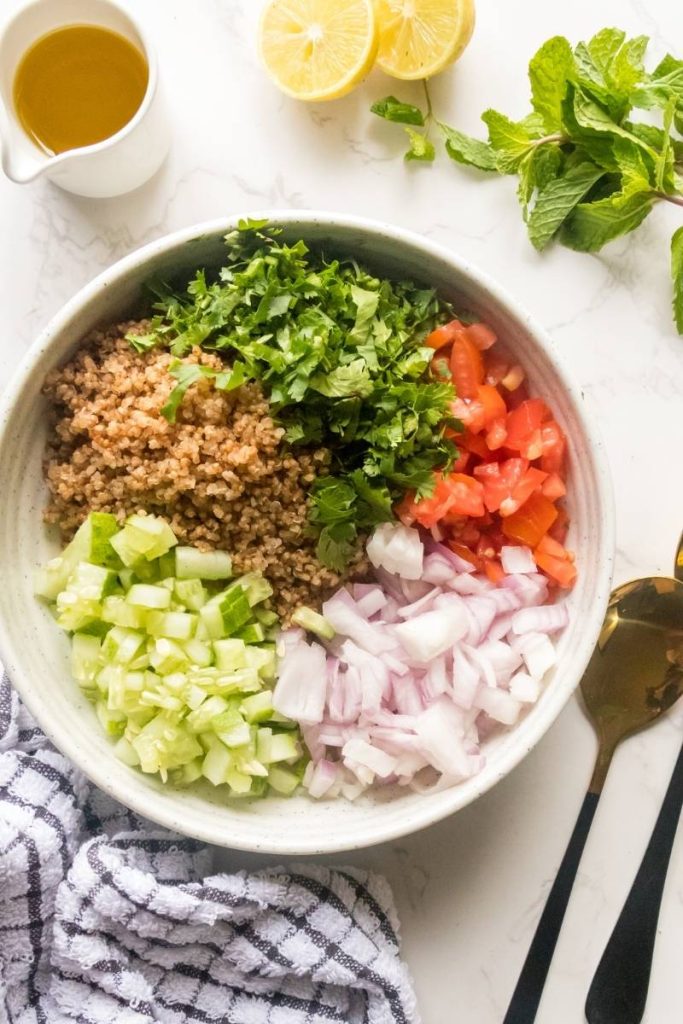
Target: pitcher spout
pixel 20 168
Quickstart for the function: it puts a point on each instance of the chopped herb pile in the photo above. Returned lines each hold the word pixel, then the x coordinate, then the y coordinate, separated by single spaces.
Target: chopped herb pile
pixel 588 171
pixel 341 354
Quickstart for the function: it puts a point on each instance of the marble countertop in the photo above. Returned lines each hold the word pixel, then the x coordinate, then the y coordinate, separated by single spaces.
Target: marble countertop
pixel 469 890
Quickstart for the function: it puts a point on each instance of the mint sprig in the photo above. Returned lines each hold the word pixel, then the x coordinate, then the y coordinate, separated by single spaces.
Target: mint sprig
pixel 589 170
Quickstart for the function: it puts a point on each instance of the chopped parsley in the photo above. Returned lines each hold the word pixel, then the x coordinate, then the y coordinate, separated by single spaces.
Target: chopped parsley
pixel 339 352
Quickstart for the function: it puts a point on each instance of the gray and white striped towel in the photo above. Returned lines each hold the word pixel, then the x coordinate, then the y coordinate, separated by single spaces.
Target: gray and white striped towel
pixel 105 918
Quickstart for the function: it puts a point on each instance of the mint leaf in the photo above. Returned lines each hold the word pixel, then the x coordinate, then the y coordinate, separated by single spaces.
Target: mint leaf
pixel 626 68
pixel 466 150
pixel 604 46
pixel 665 81
pixel 510 139
pixel 537 169
pixel 608 67
pixel 591 116
pixel 549 71
pixel 664 166
pixel 677 276
pixel 632 164
pixel 592 225
pixel 556 201
pixel 420 146
pixel 392 109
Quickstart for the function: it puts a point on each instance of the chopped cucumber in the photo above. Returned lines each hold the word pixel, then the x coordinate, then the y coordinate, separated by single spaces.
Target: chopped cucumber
pixel 191 593
pixel 172 625
pixel 253 633
pixel 199 653
pixel 117 611
pixel 190 564
pixel 230 654
pixel 282 780
pixel 258 707
pixel 145 595
pixel 312 622
pixel 85 655
pixel 91 543
pixel 180 679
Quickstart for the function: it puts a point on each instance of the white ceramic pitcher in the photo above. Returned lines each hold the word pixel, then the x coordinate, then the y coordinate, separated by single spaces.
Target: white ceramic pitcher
pixel 108 168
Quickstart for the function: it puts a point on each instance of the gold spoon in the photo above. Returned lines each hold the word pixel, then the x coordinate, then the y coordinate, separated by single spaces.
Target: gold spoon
pixel 618 992
pixel 634 676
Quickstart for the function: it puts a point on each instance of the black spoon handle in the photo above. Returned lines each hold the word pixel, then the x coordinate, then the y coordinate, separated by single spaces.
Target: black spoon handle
pixel 618 992
pixel 527 995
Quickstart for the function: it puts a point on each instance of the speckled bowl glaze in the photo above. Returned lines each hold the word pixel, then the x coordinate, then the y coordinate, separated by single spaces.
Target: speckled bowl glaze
pixel 35 651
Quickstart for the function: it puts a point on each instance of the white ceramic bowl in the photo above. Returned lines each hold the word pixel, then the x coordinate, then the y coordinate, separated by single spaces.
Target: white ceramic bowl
pixel 35 651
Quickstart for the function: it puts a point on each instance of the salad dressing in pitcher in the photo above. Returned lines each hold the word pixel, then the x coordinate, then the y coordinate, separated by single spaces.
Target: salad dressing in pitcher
pixel 77 86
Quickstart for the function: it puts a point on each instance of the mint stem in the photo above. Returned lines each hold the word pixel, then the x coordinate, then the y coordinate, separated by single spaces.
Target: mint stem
pixel 557 137
pixel 428 98
pixel 677 200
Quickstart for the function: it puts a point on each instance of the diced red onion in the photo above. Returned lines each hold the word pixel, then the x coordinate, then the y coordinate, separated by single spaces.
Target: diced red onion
pixel 549 618
pixel 498 704
pixel 301 686
pixel 398 549
pixel 409 611
pixel 371 602
pixel 538 653
pixel 430 634
pixel 517 559
pixel 362 753
pixel 423 667
pixel 525 689
pixel 322 778
pixel 342 613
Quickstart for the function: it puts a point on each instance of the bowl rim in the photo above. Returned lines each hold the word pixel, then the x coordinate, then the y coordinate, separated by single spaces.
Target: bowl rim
pixel 282 844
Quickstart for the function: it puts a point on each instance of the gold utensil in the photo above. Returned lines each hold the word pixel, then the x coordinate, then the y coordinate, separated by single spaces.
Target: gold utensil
pixel 634 676
pixel 618 992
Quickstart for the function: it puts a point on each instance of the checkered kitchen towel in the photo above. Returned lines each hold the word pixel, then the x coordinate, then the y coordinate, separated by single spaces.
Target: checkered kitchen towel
pixel 104 918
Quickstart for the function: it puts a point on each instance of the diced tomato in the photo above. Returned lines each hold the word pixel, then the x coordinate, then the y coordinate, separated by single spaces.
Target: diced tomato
pixel 482 336
pixel 508 474
pixel 524 428
pixel 494 570
pixel 467 495
pixel 554 446
pixel 477 413
pixel 556 561
pixel 467 366
pixel 492 403
pixel 497 367
pixel 464 552
pixel 441 366
pixel 405 509
pixel 443 335
pixel 553 486
pixel 476 444
pixel 508 484
pixel 454 495
pixel 460 464
pixel 530 523
pixel 428 511
pixel 558 531
pixel 496 434
pixel 470 413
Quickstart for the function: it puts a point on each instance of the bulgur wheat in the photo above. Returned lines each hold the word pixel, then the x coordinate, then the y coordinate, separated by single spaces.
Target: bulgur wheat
pixel 220 474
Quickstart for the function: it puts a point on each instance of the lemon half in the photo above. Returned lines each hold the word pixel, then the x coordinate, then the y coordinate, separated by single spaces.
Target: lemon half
pixel 318 49
pixel 419 38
